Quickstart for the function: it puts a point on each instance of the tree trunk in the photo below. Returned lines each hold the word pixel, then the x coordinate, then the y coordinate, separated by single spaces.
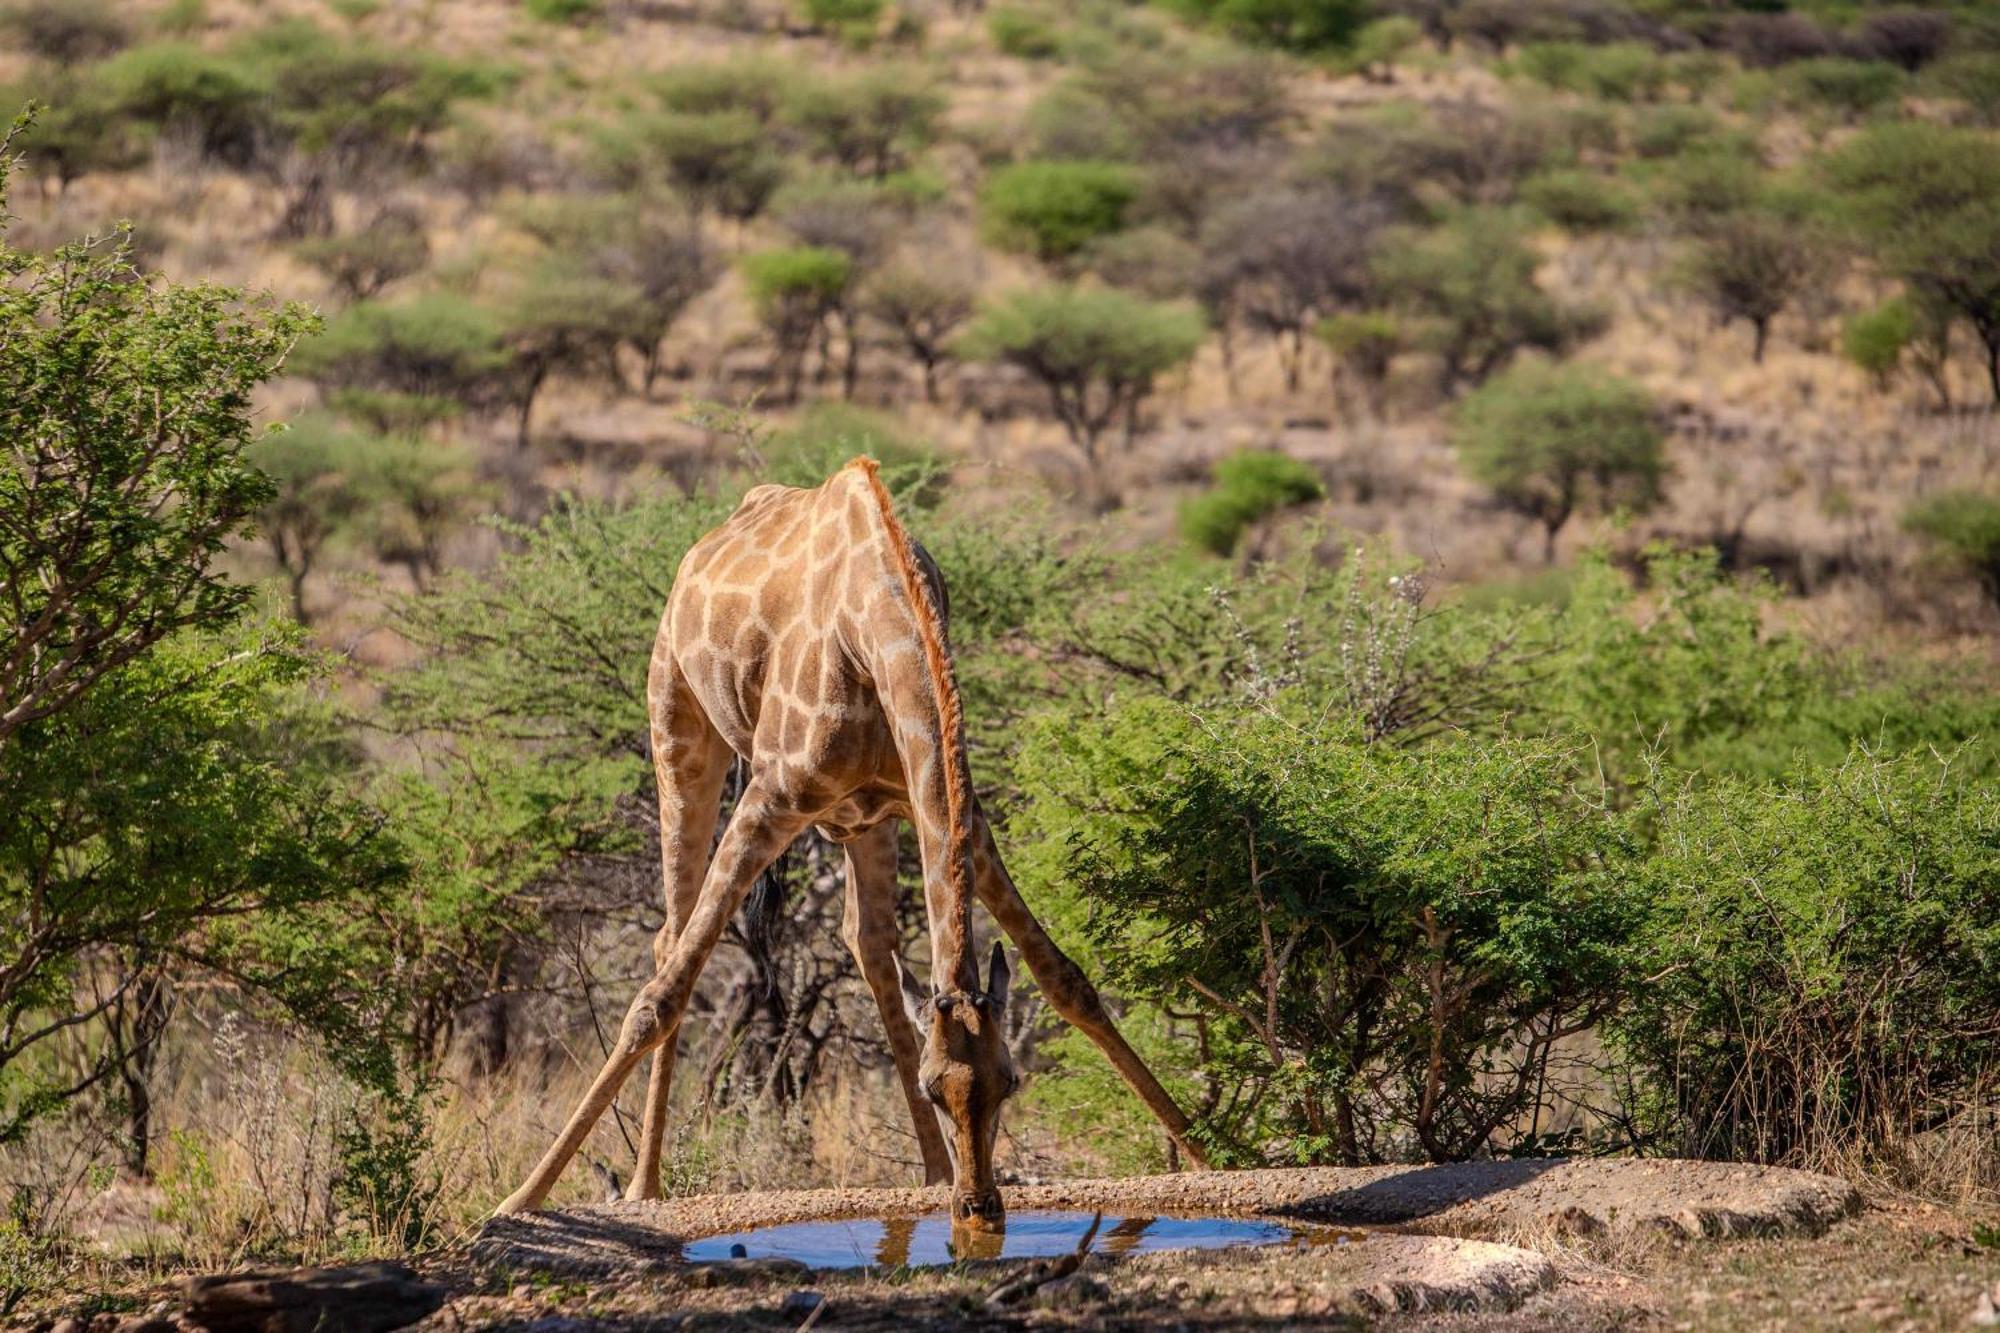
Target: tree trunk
pixel 138 1025
pixel 536 374
pixel 1762 329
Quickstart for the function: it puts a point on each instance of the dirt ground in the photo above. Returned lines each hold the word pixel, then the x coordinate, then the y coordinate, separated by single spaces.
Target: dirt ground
pixel 1891 1266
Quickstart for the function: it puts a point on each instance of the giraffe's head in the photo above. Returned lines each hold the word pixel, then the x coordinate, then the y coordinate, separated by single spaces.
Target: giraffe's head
pixel 967 1073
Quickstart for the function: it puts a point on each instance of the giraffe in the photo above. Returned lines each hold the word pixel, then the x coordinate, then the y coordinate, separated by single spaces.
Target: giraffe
pixel 806 635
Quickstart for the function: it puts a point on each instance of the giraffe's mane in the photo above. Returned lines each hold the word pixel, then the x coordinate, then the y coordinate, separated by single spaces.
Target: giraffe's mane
pixel 951 713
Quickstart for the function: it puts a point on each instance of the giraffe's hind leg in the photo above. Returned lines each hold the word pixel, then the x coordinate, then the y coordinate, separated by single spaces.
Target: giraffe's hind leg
pixel 762 826
pixel 1067 989
pixel 869 927
pixel 690 762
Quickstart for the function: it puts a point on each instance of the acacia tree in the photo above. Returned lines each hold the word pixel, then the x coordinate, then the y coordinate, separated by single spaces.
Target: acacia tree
pixel 1284 260
pixel 1097 353
pixel 1750 263
pixel 169 801
pixel 114 501
pixel 1550 440
pixel 1925 202
pixel 923 308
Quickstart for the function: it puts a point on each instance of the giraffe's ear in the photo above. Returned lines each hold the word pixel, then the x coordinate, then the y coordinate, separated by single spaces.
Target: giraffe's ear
pixel 914 997
pixel 999 980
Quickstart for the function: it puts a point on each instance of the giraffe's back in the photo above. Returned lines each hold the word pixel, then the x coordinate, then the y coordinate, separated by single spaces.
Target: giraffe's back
pixel 768 623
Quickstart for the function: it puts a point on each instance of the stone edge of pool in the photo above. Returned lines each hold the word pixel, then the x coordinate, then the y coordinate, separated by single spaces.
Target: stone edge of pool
pixel 1509 1199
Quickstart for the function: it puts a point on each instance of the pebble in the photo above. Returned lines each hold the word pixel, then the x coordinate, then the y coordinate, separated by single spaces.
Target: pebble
pixel 799 1304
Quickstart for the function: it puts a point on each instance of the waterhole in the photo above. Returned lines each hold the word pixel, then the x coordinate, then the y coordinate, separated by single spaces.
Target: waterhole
pixel 900 1242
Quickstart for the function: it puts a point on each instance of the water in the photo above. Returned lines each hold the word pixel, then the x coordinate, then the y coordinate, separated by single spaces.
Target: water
pixel 898 1242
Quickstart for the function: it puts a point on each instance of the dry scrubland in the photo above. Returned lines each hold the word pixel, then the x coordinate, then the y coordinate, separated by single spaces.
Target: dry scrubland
pixel 639 254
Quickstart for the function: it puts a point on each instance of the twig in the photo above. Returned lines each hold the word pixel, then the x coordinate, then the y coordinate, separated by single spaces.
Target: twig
pixel 1017 1288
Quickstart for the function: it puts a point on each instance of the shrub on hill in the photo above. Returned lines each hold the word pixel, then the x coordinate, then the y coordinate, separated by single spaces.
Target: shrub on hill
pixel 1965 525
pixel 1249 487
pixel 1052 209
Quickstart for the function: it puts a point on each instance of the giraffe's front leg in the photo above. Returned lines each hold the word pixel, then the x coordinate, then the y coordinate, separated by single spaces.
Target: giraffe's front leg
pixel 761 828
pixel 1066 988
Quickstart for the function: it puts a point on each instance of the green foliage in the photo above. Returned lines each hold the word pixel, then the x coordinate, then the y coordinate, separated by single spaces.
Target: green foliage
pixel 180 86
pixel 871 123
pixel 854 19
pixel 1925 199
pixel 1030 34
pixel 1473 283
pixel 66 31
pixel 129 406
pixel 1249 486
pixel 1097 353
pixel 360 264
pixel 1669 131
pixel 1370 933
pixel 385 1178
pixel 716 160
pixel 184 808
pixel 1616 71
pixel 1849 88
pixel 1875 340
pixel 1382 43
pixel 795 291
pixel 1965 525
pixel 1552 440
pixel 563 11
pixel 435 345
pixel 1971 77
pixel 1289 25
pixel 1750 263
pixel 827 436
pixel 1821 960
pixel 1052 209
pixel 1579 201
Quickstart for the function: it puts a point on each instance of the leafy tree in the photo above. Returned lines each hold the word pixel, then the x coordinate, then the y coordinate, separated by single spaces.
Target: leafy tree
pixel 794 292
pixel 170 799
pixel 1290 25
pixel 313 498
pixel 1966 526
pixel 636 243
pixel 747 84
pixel 1473 283
pixel 1926 201
pixel 128 404
pixel 1550 440
pixel 1249 487
pixel 391 247
pixel 78 129
pixel 1817 960
pixel 869 123
pixel 432 346
pixel 1365 345
pixel 177 86
pixel 1751 263
pixel 68 32
pixel 923 307
pixel 1875 339
pixel 561 317
pixel 718 161
pixel 1282 260
pixel 1579 201
pixel 1379 46
pixel 176 816
pixel 1380 944
pixel 1097 353
pixel 1052 209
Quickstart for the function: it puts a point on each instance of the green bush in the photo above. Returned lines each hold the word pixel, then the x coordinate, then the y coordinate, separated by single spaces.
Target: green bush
pixel 1363 928
pixel 1971 77
pixel 1850 88
pixel 1875 339
pixel 716 160
pixel 1366 344
pixel 1097 353
pixel 871 123
pixel 1671 130
pixel 1552 440
pixel 1053 209
pixel 1580 201
pixel 1821 961
pixel 1472 282
pixel 1249 487
pixel 795 291
pixel 1290 25
pixel 854 19
pixel 1965 525
pixel 563 11
pixel 177 85
pixel 68 32
pixel 1030 34
pixel 436 345
pixel 1379 46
